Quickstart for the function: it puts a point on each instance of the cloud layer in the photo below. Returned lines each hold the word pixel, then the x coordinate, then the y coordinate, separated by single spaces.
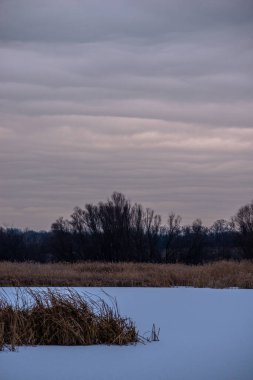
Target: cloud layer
pixel 151 98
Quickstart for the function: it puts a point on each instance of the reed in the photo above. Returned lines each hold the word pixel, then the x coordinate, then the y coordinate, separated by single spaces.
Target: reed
pixel 221 274
pixel 54 317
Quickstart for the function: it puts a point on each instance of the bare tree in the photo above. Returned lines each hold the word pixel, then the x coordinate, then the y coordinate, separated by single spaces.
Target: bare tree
pixel 137 233
pixel 61 240
pixel 79 231
pixel 222 238
pixel 152 224
pixel 172 232
pixel 243 221
pixel 196 238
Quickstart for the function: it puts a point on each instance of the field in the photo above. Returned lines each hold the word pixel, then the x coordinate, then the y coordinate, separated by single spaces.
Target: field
pixel 205 334
pixel 223 274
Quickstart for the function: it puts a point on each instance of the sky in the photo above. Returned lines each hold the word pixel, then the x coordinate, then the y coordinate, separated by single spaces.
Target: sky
pixel 152 98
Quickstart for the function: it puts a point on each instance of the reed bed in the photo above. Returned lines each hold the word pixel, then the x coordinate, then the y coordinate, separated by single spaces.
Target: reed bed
pixel 53 317
pixel 222 274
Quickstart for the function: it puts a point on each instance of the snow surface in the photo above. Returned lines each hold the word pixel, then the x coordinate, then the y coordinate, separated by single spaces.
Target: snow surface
pixel 206 334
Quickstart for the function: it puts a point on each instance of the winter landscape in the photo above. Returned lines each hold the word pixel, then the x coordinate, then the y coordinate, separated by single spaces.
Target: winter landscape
pixel 126 190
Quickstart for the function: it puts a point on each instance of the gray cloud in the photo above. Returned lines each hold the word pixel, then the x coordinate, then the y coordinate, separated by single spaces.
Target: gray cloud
pixel 151 98
pixel 91 20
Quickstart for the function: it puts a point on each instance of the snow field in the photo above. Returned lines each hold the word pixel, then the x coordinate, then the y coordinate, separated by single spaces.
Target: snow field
pixel 206 334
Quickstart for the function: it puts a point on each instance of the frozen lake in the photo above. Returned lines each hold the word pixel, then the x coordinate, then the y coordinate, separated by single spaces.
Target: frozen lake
pixel 206 334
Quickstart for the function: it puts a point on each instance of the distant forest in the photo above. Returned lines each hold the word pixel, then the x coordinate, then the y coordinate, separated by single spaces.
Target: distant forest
pixel 117 230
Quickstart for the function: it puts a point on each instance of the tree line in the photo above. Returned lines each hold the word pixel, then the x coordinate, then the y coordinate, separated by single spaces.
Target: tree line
pixel 117 230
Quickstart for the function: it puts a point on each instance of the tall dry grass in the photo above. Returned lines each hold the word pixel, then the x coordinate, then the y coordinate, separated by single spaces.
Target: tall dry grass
pixel 51 317
pixel 222 274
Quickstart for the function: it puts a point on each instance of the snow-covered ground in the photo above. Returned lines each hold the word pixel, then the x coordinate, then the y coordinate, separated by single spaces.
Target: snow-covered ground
pixel 205 334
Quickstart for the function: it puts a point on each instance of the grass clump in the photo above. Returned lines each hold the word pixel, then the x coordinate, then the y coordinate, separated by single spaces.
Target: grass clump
pixel 53 317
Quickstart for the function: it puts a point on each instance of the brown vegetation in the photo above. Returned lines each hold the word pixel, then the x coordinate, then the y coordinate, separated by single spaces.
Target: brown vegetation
pixel 222 274
pixel 50 317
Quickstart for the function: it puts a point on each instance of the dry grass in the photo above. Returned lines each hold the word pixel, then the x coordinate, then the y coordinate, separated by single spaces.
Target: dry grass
pixel 221 274
pixel 50 317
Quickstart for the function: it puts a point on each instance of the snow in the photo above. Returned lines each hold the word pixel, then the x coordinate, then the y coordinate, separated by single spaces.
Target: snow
pixel 205 334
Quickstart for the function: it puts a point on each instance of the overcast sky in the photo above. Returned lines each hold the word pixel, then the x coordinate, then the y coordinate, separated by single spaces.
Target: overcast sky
pixel 153 98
